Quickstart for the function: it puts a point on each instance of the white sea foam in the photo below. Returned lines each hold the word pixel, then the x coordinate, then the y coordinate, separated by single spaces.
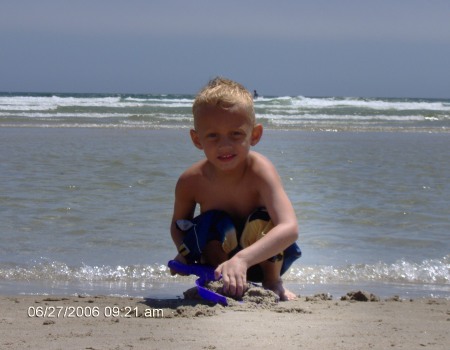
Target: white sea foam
pixel 53 105
pixel 368 103
pixel 434 271
pixel 165 100
pixel 282 119
pixel 34 103
pixel 52 116
pixel 375 104
pixel 286 112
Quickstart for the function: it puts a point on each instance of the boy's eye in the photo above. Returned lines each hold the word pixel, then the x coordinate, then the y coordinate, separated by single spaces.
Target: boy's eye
pixel 211 136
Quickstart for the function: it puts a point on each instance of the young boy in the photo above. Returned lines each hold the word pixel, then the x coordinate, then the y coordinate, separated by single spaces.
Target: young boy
pixel 246 220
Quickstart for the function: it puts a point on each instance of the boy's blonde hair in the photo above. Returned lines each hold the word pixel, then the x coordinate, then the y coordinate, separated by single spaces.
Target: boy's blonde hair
pixel 224 93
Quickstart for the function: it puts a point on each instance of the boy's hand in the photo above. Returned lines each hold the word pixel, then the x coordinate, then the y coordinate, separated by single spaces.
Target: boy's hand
pixel 234 276
pixel 181 259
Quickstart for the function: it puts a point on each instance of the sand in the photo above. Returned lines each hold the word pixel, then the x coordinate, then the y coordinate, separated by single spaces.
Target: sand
pixel 358 320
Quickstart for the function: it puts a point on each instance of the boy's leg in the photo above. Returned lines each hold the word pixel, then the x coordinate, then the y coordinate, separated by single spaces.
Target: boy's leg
pixel 272 279
pixel 259 224
pixel 209 238
pixel 214 254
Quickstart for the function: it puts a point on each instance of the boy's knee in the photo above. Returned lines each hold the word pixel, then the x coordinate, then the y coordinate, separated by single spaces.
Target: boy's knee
pixel 204 232
pixel 256 227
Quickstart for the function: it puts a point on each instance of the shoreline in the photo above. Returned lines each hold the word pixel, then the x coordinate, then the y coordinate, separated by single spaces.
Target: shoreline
pixel 175 289
pixel 174 286
pixel 102 322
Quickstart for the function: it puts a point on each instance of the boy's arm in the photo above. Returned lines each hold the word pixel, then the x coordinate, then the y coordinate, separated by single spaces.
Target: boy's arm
pixel 282 214
pixel 283 234
pixel 184 207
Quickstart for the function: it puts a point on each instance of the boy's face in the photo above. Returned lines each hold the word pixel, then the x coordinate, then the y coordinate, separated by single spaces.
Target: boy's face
pixel 225 135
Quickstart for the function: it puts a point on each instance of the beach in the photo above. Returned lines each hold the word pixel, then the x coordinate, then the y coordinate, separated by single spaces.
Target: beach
pixel 86 197
pixel 102 322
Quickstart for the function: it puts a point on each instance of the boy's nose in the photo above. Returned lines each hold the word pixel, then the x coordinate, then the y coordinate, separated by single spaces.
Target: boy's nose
pixel 224 142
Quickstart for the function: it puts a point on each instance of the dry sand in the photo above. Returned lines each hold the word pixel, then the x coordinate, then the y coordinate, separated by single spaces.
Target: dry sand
pixel 315 322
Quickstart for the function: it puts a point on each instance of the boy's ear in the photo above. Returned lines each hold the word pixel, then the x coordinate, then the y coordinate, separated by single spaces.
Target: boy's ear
pixel 256 134
pixel 195 139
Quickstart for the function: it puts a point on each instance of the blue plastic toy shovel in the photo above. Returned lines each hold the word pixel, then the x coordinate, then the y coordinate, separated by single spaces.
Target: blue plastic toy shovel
pixel 205 274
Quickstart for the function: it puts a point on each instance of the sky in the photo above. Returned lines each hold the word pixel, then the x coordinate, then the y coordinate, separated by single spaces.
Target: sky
pixel 378 48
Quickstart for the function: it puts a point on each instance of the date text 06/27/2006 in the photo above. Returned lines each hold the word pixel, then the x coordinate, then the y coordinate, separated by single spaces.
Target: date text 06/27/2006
pixel 92 312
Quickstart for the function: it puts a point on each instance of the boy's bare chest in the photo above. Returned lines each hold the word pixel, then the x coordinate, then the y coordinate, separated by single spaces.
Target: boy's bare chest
pixel 239 200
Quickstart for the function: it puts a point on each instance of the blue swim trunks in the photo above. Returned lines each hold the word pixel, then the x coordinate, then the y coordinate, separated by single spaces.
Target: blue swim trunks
pixel 217 225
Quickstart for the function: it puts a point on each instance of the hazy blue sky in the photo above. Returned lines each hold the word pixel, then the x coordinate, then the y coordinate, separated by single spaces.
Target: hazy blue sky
pixel 378 48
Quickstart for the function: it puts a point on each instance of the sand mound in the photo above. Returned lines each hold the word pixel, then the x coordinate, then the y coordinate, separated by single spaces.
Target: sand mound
pixel 254 296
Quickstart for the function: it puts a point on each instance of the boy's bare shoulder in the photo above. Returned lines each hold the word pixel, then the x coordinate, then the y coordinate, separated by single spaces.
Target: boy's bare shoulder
pixel 261 165
pixel 193 173
pixel 188 183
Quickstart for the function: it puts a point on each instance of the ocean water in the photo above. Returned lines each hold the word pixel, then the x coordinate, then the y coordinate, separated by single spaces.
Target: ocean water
pixel 174 111
pixel 86 192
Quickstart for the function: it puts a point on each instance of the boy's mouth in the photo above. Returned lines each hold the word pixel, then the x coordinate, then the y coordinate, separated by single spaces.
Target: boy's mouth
pixel 226 157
